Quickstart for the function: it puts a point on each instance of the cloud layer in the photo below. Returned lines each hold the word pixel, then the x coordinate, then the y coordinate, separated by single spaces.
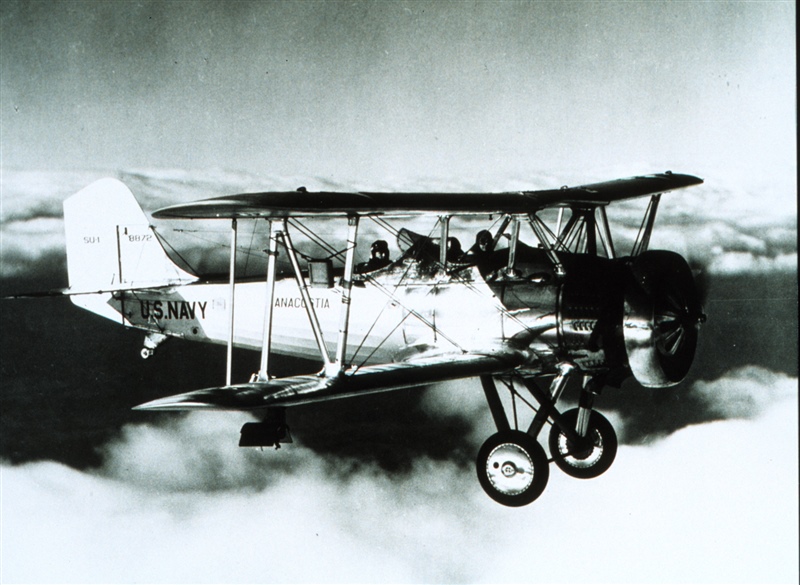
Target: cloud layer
pixel 179 502
pixel 724 229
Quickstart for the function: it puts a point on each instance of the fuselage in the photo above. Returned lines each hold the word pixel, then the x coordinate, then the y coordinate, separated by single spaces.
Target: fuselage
pixel 409 306
pixel 385 316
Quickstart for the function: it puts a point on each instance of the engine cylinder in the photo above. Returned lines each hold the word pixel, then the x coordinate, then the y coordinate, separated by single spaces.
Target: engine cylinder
pixel 590 311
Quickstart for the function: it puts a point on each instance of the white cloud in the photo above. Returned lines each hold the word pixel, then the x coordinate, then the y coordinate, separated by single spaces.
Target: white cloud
pixel 712 503
pixel 23 243
pixel 725 227
pixel 78 528
pixel 715 502
pixel 745 392
pixel 748 263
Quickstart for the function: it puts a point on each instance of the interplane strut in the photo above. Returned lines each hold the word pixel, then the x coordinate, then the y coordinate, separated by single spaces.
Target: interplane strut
pixel 263 372
pixel 347 287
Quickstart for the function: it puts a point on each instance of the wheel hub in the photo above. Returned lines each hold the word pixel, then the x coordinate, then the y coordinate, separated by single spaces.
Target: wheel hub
pixel 582 449
pixel 587 451
pixel 509 469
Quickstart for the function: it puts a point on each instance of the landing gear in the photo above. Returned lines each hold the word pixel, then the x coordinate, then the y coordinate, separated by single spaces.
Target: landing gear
pixel 587 456
pixel 512 468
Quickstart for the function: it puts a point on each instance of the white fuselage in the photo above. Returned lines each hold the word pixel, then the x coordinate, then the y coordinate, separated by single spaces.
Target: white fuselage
pixel 384 317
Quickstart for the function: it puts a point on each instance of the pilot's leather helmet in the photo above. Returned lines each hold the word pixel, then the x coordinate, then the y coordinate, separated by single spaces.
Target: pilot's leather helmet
pixel 379 249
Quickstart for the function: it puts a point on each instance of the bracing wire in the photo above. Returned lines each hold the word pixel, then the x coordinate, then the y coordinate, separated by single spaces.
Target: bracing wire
pixel 164 242
pixel 316 240
pixel 249 247
pixel 391 298
pixel 205 240
pixel 384 340
pixel 453 275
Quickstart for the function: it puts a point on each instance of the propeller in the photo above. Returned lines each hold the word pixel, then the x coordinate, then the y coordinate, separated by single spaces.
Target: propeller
pixel 700 272
pixel 662 315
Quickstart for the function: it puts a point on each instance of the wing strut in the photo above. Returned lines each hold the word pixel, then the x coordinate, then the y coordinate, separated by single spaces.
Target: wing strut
pixel 500 230
pixel 495 405
pixel 230 309
pixel 263 372
pixel 512 245
pixel 444 222
pixel 589 224
pixel 605 232
pixel 119 264
pixel 347 285
pixel 643 238
pixel 540 229
pixel 303 287
pixel 560 219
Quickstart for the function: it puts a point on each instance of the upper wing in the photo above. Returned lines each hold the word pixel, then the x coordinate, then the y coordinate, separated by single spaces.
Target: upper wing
pixel 296 390
pixel 302 203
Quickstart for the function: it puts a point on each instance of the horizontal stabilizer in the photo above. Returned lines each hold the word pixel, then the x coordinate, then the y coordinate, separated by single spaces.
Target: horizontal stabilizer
pixel 69 292
pixel 307 389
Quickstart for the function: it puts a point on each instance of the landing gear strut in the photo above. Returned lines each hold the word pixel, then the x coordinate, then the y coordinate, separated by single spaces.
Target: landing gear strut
pixel 513 467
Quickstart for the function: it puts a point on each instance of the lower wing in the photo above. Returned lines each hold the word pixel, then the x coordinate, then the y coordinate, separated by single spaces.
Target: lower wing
pixel 307 389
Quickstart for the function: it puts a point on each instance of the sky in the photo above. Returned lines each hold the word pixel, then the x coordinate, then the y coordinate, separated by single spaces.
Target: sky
pixel 182 100
pixel 354 91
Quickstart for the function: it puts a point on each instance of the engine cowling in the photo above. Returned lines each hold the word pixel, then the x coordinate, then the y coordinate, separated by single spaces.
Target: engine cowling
pixel 615 317
pixel 662 315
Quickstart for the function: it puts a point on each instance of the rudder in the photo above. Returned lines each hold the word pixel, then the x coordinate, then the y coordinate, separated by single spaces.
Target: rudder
pixel 110 243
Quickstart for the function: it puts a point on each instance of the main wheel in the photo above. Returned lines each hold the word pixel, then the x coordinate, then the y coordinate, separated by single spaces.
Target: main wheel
pixel 594 456
pixel 512 468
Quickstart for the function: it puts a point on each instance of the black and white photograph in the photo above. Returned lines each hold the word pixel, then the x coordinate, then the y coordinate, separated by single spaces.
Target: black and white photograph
pixel 379 291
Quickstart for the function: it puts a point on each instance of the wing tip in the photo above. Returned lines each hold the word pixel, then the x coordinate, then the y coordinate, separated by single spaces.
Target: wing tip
pixel 170 404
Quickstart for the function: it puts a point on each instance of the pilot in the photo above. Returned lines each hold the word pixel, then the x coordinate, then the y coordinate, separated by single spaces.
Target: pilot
pixel 454 251
pixel 378 258
pixel 481 247
pixel 483 242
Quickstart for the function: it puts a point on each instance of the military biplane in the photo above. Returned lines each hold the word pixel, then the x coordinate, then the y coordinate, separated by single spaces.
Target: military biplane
pixel 563 306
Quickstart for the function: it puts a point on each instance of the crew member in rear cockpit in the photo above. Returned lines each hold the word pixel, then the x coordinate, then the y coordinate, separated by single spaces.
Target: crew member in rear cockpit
pixel 483 243
pixel 378 258
pixel 454 251
pixel 481 247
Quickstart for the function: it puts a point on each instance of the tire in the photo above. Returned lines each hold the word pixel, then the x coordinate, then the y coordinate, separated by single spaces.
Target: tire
pixel 590 462
pixel 512 468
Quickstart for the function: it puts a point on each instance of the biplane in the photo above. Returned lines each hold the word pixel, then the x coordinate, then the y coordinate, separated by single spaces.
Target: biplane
pixel 522 316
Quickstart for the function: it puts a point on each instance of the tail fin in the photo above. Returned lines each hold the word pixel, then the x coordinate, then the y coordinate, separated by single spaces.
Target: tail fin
pixel 110 244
